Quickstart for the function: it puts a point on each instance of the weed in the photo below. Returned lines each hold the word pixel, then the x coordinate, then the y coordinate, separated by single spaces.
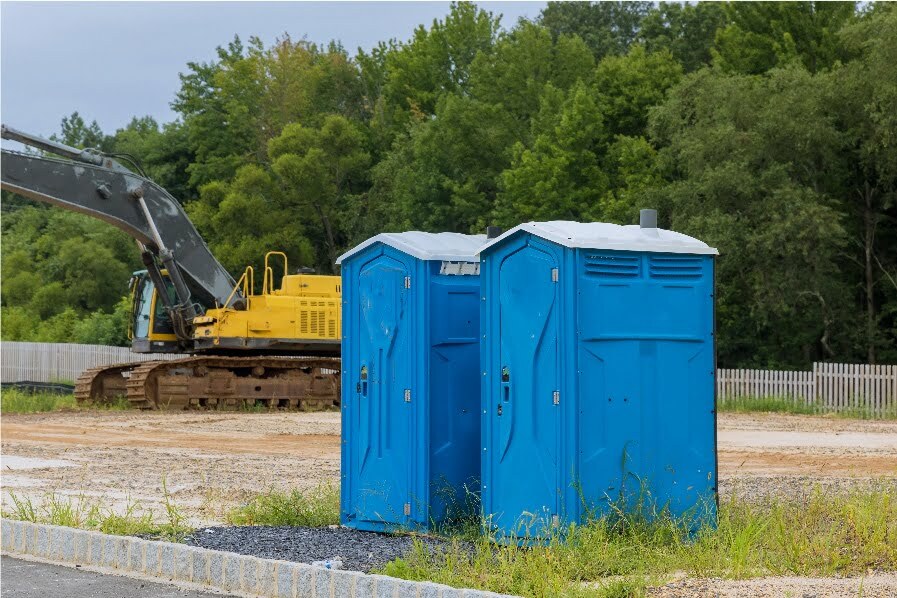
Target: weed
pixel 20 401
pixel 619 554
pixel 316 508
pixel 796 407
pixel 766 404
pixel 84 513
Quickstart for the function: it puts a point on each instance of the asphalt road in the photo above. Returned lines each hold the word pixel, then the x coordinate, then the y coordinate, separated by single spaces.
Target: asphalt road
pixel 27 579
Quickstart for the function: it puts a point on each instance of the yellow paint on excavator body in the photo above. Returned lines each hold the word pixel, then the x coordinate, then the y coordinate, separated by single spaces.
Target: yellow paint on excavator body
pixel 304 307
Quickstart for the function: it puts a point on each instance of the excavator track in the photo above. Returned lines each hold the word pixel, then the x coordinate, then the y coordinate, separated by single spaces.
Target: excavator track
pixel 104 383
pixel 217 383
pixel 230 383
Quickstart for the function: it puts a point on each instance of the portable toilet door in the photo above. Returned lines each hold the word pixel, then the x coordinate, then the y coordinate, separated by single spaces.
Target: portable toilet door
pixel 408 430
pixel 383 443
pixel 597 373
pixel 522 448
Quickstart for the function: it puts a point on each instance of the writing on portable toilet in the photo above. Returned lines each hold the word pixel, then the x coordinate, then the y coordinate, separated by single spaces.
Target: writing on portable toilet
pixel 597 371
pixel 410 386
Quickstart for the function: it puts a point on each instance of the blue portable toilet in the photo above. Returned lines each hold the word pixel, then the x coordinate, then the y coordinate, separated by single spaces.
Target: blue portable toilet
pixel 410 387
pixel 597 370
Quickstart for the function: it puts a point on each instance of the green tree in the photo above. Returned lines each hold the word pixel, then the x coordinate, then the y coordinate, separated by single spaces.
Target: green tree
pixel 231 108
pixel 628 86
pixel 436 61
pixel 560 177
pixel 632 165
pixel 100 328
pixel 47 249
pixel 77 133
pixel 752 159
pixel 162 153
pixel 442 174
pixel 762 35
pixel 244 218
pixel 766 129
pixel 686 30
pixel 863 98
pixel 320 170
pixel 607 28
pixel 523 62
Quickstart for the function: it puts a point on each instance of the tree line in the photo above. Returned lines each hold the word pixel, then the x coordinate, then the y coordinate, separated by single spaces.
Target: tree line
pixel 768 130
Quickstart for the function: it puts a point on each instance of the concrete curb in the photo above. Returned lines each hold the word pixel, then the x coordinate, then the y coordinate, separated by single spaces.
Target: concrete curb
pixel 210 569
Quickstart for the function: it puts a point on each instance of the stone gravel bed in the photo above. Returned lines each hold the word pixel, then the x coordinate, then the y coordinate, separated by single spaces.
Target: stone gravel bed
pixel 763 489
pixel 367 551
pixel 358 551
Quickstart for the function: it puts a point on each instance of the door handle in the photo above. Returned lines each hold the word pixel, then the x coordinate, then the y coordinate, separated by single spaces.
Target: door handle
pixel 362 385
pixel 505 389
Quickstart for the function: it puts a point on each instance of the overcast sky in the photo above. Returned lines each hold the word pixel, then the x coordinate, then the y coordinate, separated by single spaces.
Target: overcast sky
pixel 114 60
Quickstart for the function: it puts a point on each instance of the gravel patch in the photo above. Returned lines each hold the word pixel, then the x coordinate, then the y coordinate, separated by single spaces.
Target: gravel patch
pixel 875 585
pixel 763 489
pixel 358 551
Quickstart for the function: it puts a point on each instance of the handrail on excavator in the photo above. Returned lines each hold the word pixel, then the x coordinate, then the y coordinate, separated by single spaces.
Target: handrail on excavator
pixel 246 284
pixel 268 282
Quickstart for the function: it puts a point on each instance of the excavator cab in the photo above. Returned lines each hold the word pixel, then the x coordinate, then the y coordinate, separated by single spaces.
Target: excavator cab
pixel 150 328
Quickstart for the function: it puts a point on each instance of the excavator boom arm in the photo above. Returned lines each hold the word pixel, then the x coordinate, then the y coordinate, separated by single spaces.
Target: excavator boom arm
pixel 104 189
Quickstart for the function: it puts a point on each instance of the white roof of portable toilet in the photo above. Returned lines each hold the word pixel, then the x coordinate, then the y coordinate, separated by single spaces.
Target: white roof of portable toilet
pixel 426 246
pixel 602 235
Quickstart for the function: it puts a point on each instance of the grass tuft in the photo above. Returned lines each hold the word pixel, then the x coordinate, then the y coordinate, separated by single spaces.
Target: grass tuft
pixel 820 534
pixel 765 404
pixel 796 407
pixel 316 508
pixel 20 401
pixel 89 513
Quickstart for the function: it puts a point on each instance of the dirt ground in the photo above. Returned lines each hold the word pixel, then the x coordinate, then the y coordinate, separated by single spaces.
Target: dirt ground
pixel 876 585
pixel 208 461
pixel 211 462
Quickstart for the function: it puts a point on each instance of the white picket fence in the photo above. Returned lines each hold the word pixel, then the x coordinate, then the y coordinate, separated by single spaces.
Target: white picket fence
pixel 828 388
pixel 53 362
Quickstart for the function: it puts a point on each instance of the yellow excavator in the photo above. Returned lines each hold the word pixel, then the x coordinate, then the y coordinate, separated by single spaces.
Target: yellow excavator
pixel 276 346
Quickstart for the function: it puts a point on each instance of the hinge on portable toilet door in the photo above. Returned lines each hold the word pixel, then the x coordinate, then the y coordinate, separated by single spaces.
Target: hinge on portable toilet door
pixel 407 509
pixel 554 275
pixel 407 282
pixel 556 397
pixel 407 395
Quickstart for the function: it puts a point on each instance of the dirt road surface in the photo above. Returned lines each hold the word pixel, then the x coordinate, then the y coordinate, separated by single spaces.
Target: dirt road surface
pixel 213 461
pixel 209 462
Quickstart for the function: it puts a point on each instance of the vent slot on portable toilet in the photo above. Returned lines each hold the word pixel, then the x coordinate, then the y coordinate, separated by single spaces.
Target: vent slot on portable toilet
pixel 459 268
pixel 612 265
pixel 678 267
